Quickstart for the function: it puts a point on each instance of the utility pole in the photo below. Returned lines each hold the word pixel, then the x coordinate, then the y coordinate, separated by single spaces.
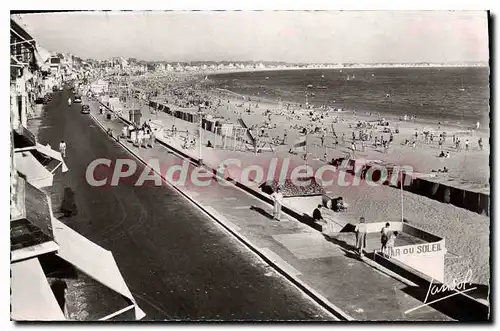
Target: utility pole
pixel 200 128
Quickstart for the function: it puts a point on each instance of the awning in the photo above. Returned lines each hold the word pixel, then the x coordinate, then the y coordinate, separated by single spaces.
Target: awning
pixel 23 138
pixel 41 55
pixel 31 296
pixel 34 172
pixel 92 260
pixel 31 227
pixel 21 32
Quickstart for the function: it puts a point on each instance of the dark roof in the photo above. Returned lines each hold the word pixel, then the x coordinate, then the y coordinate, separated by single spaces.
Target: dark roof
pixel 23 33
pixel 34 226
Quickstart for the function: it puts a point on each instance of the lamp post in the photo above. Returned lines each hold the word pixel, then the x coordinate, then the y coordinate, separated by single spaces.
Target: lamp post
pixel 200 129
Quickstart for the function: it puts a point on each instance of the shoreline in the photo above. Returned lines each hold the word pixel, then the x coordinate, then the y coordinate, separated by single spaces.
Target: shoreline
pixel 196 79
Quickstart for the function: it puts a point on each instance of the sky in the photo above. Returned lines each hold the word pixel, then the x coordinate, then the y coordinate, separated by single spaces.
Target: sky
pixel 300 36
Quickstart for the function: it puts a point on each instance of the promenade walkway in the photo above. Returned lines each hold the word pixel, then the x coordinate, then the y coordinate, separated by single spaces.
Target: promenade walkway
pixel 325 267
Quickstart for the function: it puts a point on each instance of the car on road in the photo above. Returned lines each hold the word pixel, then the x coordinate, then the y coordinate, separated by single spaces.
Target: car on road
pixel 85 109
pixel 78 99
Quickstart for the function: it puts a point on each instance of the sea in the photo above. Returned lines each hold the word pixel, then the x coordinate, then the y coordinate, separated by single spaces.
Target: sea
pixel 451 95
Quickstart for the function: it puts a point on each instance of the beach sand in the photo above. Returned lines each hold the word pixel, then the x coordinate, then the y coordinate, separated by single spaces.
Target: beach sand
pixel 466 232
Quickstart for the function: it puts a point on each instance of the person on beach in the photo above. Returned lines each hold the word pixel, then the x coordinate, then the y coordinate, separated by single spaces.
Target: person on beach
pixel 467 145
pixel 277 197
pixel 477 125
pixel 480 143
pixel 360 231
pixel 384 235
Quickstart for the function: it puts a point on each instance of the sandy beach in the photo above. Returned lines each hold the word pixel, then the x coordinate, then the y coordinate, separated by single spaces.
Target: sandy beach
pixel 274 118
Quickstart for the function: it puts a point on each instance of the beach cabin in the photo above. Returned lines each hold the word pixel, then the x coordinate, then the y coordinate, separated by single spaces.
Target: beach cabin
pixel 135 116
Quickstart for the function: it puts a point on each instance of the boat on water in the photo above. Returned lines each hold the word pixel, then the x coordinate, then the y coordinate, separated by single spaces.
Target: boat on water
pixel 267 77
pixel 321 87
pixel 309 86
pixel 322 76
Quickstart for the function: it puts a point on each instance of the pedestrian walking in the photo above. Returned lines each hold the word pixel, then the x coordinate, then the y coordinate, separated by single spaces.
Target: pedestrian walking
pixel 384 236
pixel 480 143
pixel 361 236
pixel 62 148
pixel 277 197
pixel 467 145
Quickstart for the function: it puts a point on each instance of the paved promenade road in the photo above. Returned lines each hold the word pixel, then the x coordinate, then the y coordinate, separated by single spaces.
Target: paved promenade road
pixel 178 263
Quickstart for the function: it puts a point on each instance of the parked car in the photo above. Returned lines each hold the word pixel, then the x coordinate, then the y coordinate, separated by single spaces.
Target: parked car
pixel 85 109
pixel 77 99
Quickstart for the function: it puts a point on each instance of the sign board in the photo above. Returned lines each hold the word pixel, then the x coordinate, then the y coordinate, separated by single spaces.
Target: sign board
pixel 427 258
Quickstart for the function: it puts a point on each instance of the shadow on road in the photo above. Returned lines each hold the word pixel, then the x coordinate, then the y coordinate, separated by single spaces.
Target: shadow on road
pixel 262 212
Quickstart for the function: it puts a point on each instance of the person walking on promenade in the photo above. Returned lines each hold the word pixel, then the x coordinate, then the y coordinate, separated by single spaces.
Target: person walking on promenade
pixel 62 148
pixel 384 236
pixel 467 145
pixel 277 197
pixel 361 236
pixel 480 143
